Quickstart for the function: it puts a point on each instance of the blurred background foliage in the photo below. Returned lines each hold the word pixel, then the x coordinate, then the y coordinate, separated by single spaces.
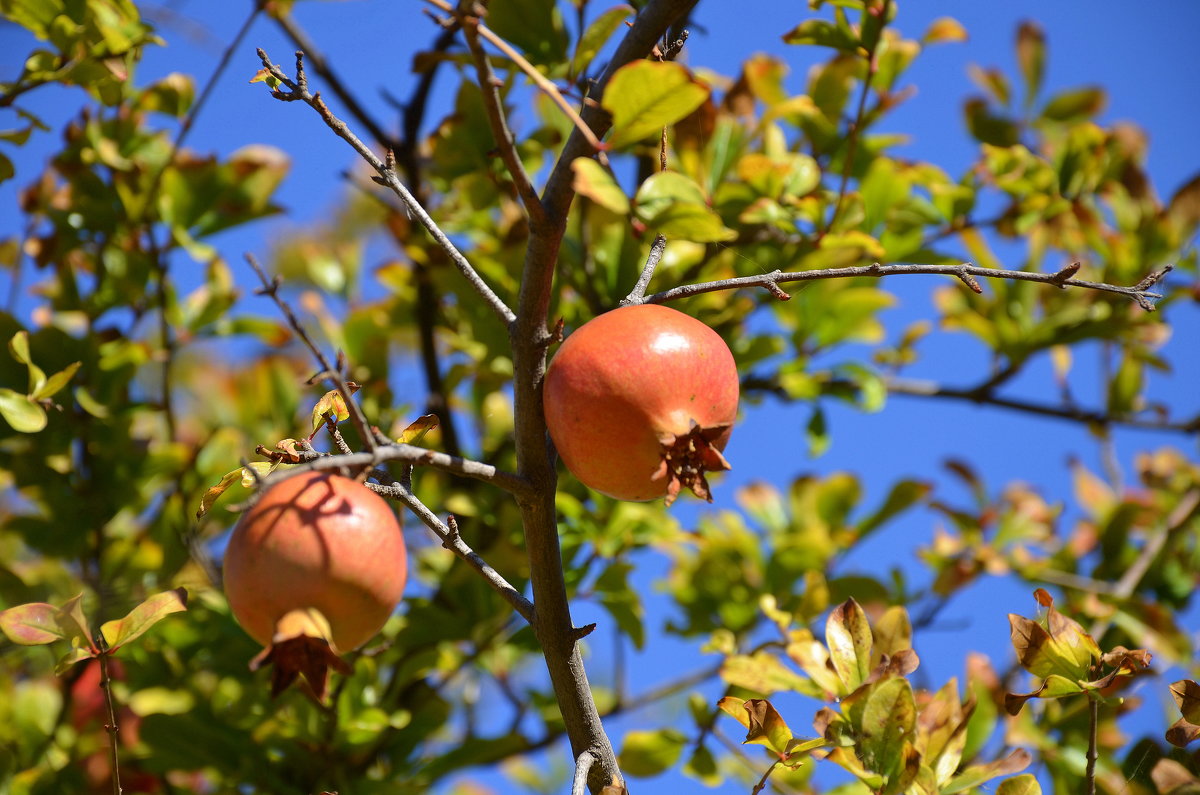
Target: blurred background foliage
pixel 126 396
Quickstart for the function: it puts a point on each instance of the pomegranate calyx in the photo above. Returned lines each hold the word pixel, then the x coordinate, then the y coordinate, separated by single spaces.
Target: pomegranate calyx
pixel 301 645
pixel 686 457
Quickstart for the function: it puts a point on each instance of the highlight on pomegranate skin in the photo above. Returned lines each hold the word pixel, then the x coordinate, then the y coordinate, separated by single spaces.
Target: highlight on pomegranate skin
pixel 641 401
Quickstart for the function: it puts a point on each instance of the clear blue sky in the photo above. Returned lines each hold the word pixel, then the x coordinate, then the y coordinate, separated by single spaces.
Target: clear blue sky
pixel 1143 55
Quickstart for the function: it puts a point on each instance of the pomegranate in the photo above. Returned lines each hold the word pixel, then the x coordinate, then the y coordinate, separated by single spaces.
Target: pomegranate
pixel 640 401
pixel 319 558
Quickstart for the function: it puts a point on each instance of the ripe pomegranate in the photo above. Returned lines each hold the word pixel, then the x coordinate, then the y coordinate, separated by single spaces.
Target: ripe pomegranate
pixel 640 401
pixel 316 540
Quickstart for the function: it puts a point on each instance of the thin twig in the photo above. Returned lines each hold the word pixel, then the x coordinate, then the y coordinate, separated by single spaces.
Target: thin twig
pixel 1089 775
pixel 408 454
pixel 298 91
pixel 638 294
pixel 452 540
pixel 536 76
pixel 270 289
pixel 489 84
pixel 918 388
pixel 583 764
pixel 301 41
pixel 110 707
pixel 965 272
pixel 762 782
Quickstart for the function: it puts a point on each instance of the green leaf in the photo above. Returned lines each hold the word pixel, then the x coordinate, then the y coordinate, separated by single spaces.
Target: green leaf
pixel 1075 105
pixel 75 655
pixel 534 26
pixel 416 430
pixel 675 206
pixel 121 631
pixel 823 33
pixel 884 715
pixel 645 96
pixel 597 34
pixel 763 673
pixel 20 412
pixel 7 171
pixel 1024 784
pixel 593 181
pixel 19 347
pixel 903 496
pixel 648 753
pixel 56 382
pixel 817 433
pixel 848 635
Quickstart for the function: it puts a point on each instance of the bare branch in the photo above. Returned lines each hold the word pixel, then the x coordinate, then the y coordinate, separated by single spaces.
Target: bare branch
pixel 301 41
pixel 915 388
pixel 638 294
pixel 966 272
pixel 270 289
pixel 298 91
pixel 452 540
pixel 532 72
pixel 489 84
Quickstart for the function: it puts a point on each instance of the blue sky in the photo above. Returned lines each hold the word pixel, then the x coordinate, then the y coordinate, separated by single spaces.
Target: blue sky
pixel 1143 56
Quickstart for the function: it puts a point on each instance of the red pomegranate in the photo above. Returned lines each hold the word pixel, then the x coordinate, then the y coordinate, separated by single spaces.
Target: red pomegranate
pixel 316 540
pixel 640 401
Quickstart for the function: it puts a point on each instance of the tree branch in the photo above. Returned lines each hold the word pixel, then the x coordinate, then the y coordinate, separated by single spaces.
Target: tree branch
pixel 532 72
pixel 300 40
pixel 418 456
pixel 638 294
pixel 583 763
pixel 915 388
pixel 298 91
pixel 535 462
pixel 489 84
pixel 270 289
pixel 966 272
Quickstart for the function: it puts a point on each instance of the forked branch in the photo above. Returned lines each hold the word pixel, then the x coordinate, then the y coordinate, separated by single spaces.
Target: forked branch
pixel 297 90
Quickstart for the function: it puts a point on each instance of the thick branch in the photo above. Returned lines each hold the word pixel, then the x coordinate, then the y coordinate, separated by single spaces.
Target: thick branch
pixel 966 272
pixel 530 339
pixel 298 90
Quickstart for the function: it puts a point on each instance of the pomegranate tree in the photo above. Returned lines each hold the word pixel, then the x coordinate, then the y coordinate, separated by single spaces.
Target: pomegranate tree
pixel 314 569
pixel 640 402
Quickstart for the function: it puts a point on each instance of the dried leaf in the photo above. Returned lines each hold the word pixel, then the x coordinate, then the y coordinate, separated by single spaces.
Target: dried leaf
pixel 766 726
